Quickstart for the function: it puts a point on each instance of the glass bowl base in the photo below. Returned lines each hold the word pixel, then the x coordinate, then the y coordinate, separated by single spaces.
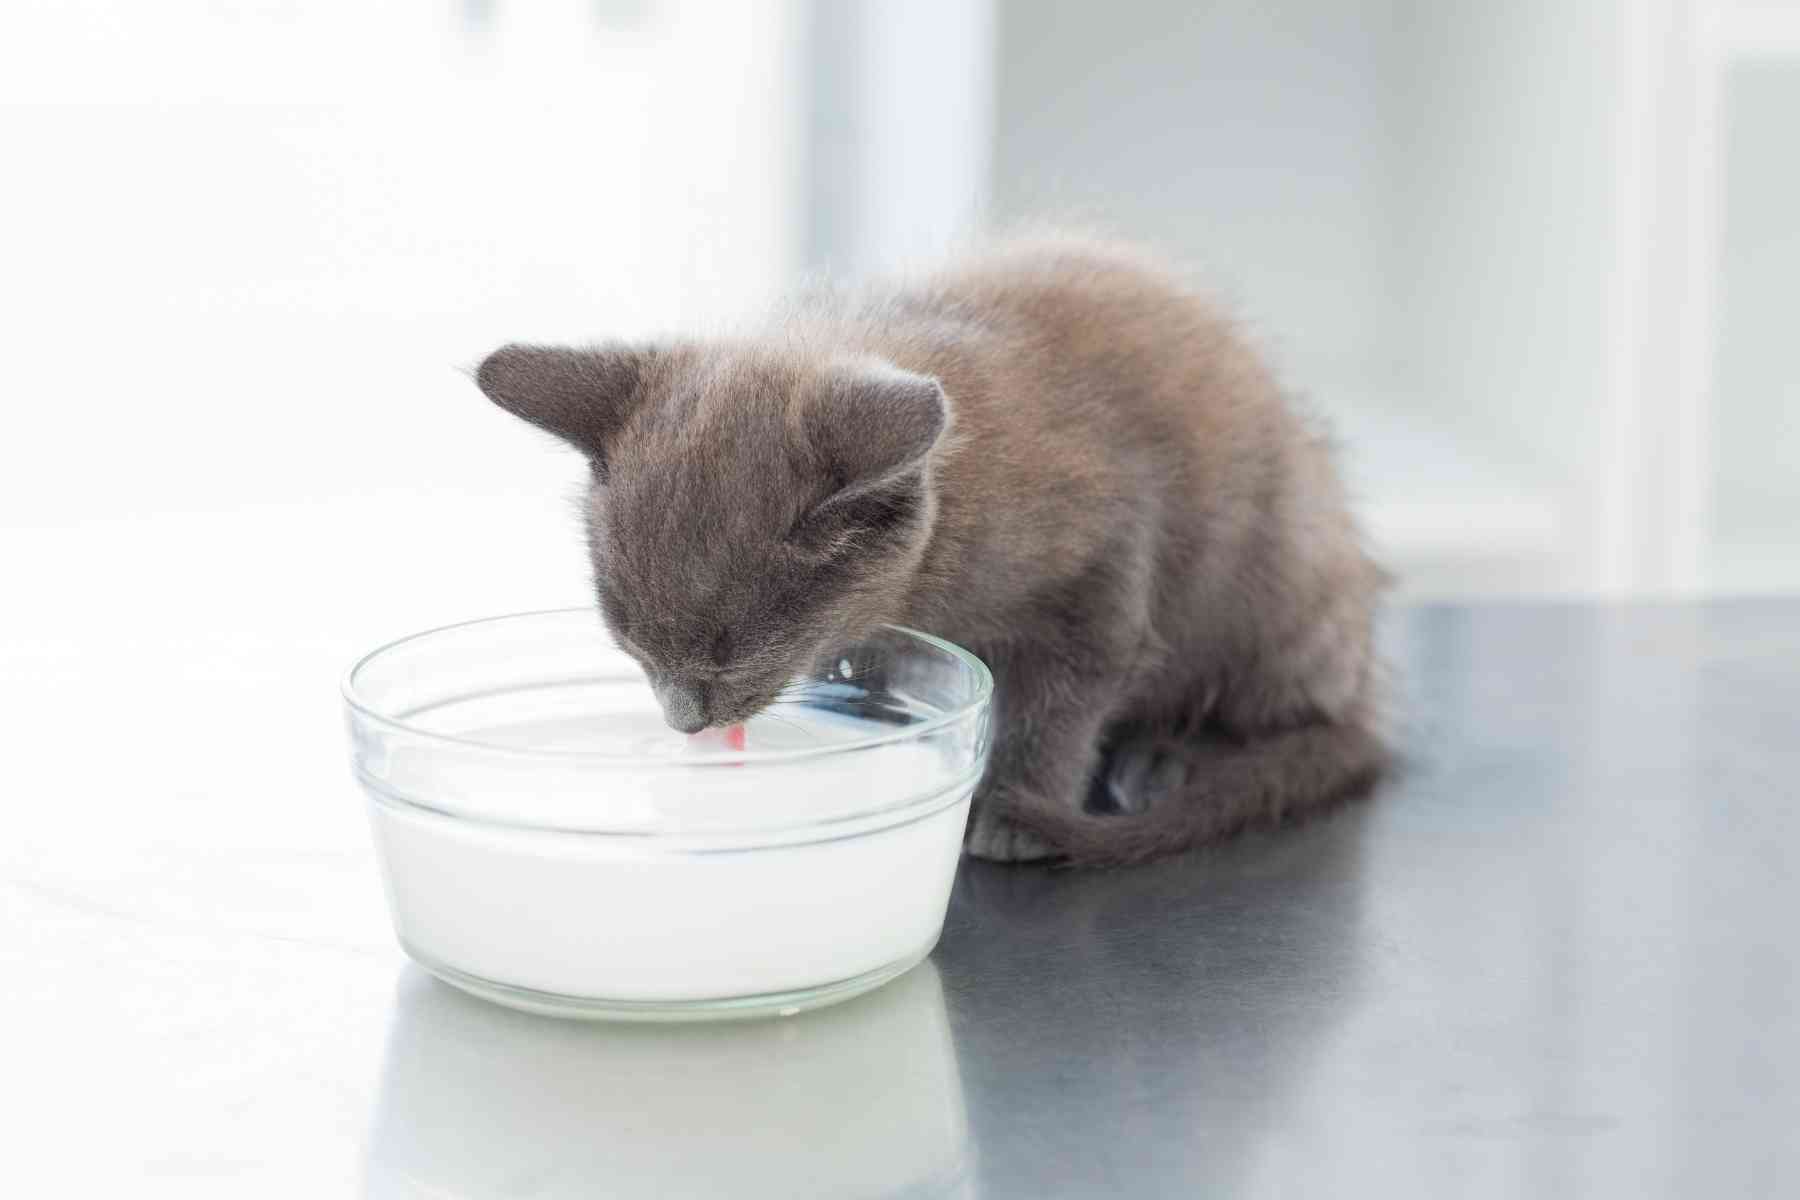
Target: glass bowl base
pixel 726 1008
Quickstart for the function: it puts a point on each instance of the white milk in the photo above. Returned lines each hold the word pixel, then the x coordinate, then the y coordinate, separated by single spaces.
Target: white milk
pixel 847 870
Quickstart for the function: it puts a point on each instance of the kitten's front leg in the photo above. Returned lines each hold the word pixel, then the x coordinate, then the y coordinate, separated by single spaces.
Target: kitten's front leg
pixel 1049 716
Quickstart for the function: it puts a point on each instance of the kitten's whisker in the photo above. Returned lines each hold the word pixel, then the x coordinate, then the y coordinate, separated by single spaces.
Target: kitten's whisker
pixel 792 724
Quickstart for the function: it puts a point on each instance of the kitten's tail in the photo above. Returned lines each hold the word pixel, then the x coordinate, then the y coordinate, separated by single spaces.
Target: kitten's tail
pixel 1172 793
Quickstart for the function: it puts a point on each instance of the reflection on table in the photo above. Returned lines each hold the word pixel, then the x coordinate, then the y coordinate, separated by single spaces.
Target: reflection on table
pixel 859 1100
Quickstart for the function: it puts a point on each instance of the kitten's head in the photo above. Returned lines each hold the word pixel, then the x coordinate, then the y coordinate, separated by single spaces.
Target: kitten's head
pixel 747 508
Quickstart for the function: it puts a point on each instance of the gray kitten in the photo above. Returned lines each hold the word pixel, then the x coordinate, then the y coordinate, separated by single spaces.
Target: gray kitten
pixel 1053 454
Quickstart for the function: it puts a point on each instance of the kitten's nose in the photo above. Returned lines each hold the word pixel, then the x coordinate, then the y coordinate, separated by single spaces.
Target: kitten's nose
pixel 683 705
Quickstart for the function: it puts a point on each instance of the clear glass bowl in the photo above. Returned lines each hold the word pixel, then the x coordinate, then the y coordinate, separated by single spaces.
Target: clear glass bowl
pixel 548 843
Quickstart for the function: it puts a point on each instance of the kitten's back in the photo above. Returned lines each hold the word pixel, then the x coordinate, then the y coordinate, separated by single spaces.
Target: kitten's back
pixel 1098 395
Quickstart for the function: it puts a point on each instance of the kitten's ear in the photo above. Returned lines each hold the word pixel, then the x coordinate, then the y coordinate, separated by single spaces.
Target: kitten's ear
pixel 874 423
pixel 581 395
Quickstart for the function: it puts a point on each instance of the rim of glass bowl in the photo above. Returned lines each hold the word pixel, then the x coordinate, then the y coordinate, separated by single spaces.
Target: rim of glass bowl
pixel 984 690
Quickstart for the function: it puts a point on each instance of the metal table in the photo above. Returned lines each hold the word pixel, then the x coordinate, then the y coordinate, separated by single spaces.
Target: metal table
pixel 1557 957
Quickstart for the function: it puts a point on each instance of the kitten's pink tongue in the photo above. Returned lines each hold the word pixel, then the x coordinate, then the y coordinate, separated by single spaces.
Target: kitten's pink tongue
pixel 731 737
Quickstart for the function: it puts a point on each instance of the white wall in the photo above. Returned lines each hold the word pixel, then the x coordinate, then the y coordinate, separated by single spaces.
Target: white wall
pixel 1252 139
pixel 250 247
pixel 1507 242
pixel 1484 238
pixel 1755 523
pixel 1338 174
pixel 900 131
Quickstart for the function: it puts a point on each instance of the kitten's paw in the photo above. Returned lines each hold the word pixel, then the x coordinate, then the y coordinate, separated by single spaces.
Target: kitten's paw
pixel 1140 775
pixel 996 839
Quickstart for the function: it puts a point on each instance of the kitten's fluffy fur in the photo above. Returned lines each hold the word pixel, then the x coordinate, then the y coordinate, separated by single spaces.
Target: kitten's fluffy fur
pixel 1053 454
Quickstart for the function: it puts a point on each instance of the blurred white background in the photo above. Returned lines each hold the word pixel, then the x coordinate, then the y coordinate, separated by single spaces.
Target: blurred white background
pixel 1532 259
